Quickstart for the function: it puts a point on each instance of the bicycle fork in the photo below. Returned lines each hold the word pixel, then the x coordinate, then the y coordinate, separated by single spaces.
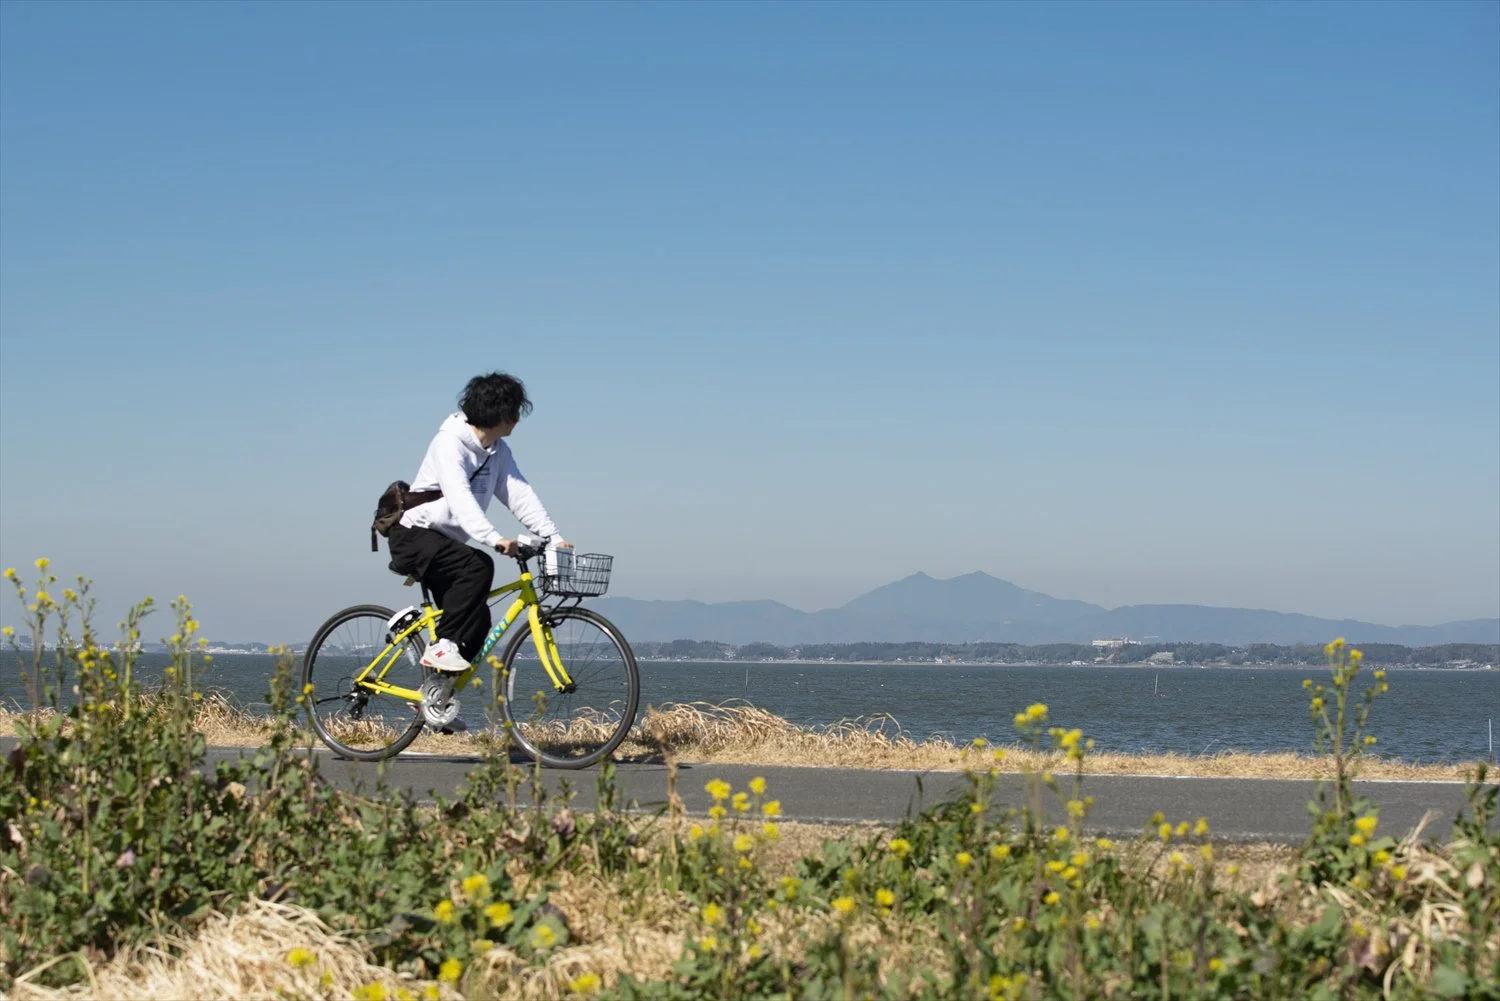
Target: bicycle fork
pixel 546 645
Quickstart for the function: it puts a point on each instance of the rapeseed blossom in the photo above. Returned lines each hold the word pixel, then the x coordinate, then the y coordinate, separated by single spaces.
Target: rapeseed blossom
pixel 584 983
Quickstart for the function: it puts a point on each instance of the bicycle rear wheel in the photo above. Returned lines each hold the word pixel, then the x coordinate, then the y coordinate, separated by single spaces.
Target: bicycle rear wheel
pixel 577 728
pixel 351 718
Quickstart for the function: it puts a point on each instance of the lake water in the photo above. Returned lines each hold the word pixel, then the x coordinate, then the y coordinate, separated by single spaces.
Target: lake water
pixel 1428 715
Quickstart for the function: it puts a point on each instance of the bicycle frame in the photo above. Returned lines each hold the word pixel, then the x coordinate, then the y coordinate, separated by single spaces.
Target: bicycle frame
pixel 546 646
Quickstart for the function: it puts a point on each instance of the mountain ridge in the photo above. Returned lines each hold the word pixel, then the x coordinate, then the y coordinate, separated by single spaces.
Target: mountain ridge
pixel 978 607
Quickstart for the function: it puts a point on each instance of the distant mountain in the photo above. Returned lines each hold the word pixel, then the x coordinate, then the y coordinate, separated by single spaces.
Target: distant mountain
pixel 976 597
pixel 979 608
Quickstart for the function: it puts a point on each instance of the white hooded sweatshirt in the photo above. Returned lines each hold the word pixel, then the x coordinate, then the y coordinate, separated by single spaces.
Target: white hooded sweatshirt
pixel 452 459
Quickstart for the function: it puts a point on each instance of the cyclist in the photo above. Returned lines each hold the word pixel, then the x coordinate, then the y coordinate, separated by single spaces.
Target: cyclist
pixel 467 463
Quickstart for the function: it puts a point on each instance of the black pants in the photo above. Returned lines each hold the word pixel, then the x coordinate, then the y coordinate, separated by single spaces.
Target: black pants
pixel 459 577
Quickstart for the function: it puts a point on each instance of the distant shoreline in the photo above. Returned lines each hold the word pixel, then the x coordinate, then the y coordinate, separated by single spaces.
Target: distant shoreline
pixel 1103 667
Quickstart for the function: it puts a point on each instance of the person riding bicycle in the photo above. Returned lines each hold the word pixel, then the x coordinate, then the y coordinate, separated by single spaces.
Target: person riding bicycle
pixel 469 462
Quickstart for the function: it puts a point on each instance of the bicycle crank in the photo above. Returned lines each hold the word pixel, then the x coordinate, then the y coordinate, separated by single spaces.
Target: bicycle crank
pixel 439 707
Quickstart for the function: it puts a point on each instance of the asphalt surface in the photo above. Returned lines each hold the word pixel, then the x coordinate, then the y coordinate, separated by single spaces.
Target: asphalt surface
pixel 1272 810
pixel 1238 809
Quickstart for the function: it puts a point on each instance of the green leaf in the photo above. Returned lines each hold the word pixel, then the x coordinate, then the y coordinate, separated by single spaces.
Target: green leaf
pixel 1448 982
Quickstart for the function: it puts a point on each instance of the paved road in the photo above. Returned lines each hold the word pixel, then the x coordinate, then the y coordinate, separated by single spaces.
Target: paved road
pixel 1238 809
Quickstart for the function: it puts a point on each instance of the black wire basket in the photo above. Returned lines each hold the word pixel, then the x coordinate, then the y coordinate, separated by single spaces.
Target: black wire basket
pixel 565 574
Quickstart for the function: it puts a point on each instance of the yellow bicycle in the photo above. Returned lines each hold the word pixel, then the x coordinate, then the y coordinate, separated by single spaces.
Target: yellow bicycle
pixel 568 697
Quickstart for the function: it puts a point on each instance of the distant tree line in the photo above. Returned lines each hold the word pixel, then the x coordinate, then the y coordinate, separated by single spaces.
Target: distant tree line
pixel 1384 654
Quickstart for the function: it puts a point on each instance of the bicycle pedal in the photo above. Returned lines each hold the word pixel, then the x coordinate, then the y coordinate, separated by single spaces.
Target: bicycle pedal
pixel 439 707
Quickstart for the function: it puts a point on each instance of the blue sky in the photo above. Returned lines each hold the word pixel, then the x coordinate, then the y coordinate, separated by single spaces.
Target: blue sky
pixel 1127 303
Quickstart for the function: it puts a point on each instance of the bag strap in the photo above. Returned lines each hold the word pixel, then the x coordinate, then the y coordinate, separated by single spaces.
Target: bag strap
pixel 413 498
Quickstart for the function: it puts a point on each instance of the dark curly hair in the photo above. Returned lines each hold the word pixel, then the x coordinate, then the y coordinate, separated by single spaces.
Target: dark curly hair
pixel 491 400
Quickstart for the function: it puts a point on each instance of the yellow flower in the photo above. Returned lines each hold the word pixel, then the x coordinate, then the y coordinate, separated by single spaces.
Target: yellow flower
pixel 1052 897
pixel 300 957
pixel 899 847
pixel 477 886
pixel 374 991
pixel 1369 741
pixel 1056 866
pixel 543 937
pixel 42 563
pixel 10 573
pixel 964 859
pixel 431 992
pixel 712 913
pixel 1079 859
pixel 1307 683
pixel 1069 873
pixel 1367 824
pixel 885 898
pixel 584 983
pixel 443 911
pixel 717 812
pixel 1356 840
pixel 1036 711
pixel 770 830
pixel 1070 739
pixel 754 952
pixel 1182 829
pixel 742 801
pixel 1104 844
pixel 998 852
pixel 1233 869
pixel 1176 858
pixel 1379 675
pixel 843 905
pixel 1201 828
pixel 450 971
pixel 1355 656
pixel 772 808
pixel 1398 872
pixel 789 885
pixel 695 832
pixel 743 843
pixel 718 789
pixel 1216 964
pixel 7 631
pixel 1076 808
pixel 708 943
pixel 1092 923
pixel 1020 719
pixel 1207 851
pixel 499 914
pixel 481 945
pixel 1061 834
pixel 758 786
pixel 1382 857
pixel 1317 704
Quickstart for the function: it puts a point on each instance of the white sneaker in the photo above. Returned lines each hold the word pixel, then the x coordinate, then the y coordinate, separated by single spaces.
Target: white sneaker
pixel 443 656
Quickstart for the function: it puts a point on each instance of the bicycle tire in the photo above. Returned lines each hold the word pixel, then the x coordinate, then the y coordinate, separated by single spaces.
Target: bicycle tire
pixel 321 668
pixel 581 734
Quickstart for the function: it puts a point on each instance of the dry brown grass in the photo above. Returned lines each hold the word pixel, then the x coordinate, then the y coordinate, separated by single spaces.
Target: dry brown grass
pixel 740 733
pixel 243 955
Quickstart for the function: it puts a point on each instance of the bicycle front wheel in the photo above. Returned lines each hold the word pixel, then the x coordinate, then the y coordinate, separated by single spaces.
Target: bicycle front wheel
pixel 576 728
pixel 355 711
